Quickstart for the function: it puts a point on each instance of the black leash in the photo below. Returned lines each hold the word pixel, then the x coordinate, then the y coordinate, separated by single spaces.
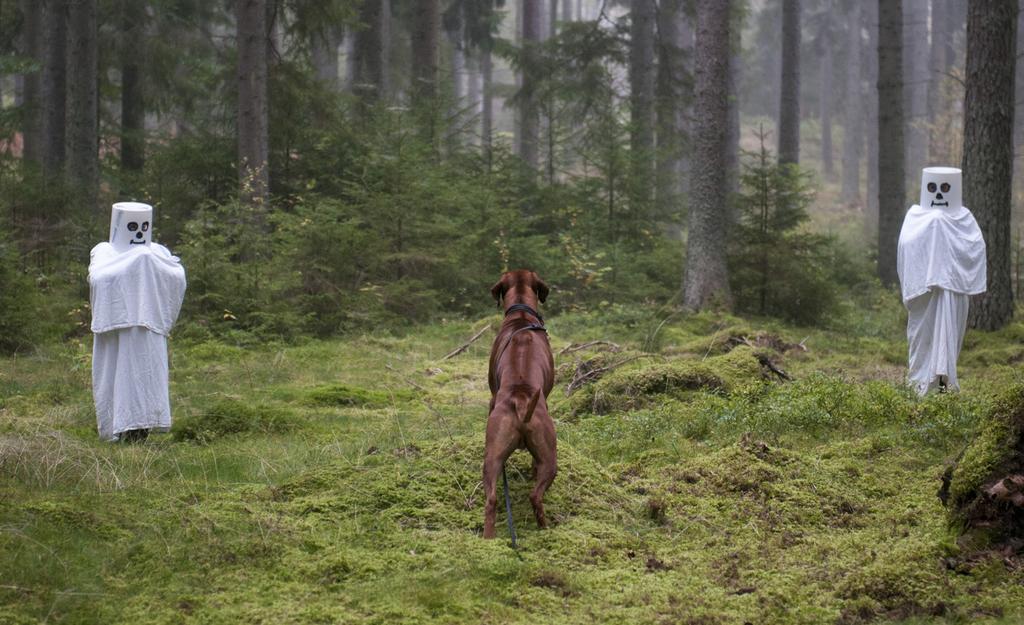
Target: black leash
pixel 508 509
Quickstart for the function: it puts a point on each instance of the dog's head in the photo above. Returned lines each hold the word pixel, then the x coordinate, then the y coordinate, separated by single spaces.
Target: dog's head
pixel 520 287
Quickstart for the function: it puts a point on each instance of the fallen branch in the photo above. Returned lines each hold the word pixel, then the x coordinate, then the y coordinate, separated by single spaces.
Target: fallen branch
pixel 585 373
pixel 576 347
pixel 768 364
pixel 461 348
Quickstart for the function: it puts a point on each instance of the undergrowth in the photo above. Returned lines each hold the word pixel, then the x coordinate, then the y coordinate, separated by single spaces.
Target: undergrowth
pixel 339 481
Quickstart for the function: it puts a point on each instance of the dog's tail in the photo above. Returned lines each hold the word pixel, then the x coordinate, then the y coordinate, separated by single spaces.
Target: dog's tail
pixel 531 405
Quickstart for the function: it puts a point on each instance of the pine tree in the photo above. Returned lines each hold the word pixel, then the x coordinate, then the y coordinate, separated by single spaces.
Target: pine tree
pixel 776 268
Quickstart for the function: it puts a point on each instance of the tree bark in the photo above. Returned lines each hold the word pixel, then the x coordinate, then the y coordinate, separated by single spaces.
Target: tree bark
pixel 732 140
pixel 706 277
pixel 891 181
pixel 253 135
pixel 641 80
pixel 31 47
pixel 529 111
pixel 789 99
pixel 83 165
pixel 133 111
pixel 853 109
pixel 825 97
pixel 53 87
pixel 567 11
pixel 988 148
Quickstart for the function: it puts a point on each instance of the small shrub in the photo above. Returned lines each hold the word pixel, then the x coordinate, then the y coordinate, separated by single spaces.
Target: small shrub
pixel 777 268
pixel 19 301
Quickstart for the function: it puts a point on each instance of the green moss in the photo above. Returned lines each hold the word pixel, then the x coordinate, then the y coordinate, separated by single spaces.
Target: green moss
pixel 345 395
pixel 634 388
pixel 231 416
pixel 805 502
pixel 997 445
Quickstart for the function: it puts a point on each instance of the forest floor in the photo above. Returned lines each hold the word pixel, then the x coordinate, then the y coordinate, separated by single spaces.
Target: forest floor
pixel 338 481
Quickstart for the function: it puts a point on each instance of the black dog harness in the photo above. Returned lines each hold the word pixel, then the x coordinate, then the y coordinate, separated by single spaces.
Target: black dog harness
pixel 531 327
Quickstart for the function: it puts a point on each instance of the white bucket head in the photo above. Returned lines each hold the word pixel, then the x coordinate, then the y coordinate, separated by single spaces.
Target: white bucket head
pixel 131 223
pixel 942 188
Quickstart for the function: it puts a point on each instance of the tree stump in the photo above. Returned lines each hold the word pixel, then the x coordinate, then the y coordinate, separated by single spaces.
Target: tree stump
pixel 984 489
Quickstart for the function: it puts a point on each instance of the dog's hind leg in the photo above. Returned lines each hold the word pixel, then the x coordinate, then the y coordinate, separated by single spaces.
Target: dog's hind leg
pixel 502 439
pixel 543 447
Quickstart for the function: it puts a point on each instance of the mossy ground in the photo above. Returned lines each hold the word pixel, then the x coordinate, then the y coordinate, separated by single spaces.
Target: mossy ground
pixel 339 482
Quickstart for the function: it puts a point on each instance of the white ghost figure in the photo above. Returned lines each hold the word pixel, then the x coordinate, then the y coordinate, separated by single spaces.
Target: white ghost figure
pixel 941 263
pixel 136 288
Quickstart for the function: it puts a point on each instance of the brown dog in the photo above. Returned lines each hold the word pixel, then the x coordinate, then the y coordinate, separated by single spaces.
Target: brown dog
pixel 521 376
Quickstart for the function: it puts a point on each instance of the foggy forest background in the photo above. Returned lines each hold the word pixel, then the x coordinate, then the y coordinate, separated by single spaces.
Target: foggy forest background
pixel 333 166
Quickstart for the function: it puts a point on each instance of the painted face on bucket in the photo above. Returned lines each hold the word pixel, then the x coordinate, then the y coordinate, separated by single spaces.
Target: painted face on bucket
pixel 941 188
pixel 131 224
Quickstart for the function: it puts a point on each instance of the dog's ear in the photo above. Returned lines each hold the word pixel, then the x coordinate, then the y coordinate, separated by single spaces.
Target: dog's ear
pixel 541 288
pixel 498 290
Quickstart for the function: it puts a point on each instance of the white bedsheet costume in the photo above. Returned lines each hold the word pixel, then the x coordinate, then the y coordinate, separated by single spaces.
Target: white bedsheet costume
pixel 136 288
pixel 941 263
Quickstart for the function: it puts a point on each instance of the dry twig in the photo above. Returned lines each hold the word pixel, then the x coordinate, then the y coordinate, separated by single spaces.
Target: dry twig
pixel 461 348
pixel 576 347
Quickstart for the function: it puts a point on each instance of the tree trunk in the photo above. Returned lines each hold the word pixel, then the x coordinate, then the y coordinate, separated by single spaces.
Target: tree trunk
pixel 473 93
pixel 706 277
pixel 567 11
pixel 487 105
pixel 529 111
pixel 915 72
pixel 789 99
pixel 641 79
pixel 825 96
pixel 891 181
pixel 133 111
pixel 1018 138
pixel 83 165
pixel 853 110
pixel 53 87
pixel 669 98
pixel 940 57
pixel 253 136
pixel 31 47
pixel 732 140
pixel 869 63
pixel 370 51
pixel 688 34
pixel 453 32
pixel 425 35
pixel 324 55
pixel 988 148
